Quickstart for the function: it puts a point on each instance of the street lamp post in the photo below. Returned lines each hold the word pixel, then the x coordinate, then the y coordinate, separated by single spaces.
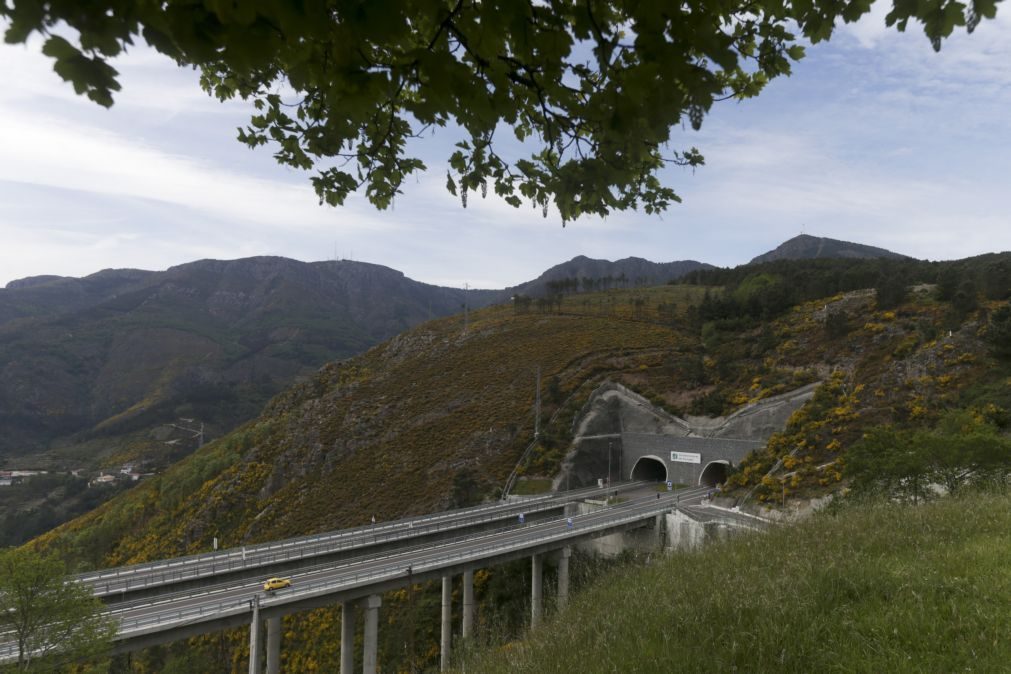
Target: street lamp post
pixel 608 464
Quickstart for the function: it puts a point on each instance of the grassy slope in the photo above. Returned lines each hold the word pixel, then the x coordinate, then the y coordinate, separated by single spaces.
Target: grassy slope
pixel 876 588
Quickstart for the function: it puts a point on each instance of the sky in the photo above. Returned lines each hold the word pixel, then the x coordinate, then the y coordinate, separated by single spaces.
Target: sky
pixel 874 139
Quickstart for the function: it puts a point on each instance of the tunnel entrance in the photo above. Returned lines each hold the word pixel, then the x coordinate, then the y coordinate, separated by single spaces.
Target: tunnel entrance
pixel 649 468
pixel 715 473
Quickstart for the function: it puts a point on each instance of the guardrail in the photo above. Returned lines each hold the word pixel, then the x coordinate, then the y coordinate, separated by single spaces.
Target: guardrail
pixel 192 567
pixel 487 550
pixel 253 550
pixel 215 566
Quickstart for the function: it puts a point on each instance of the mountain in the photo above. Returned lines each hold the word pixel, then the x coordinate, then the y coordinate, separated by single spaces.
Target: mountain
pixel 91 366
pixel 806 247
pixel 440 415
pixel 50 295
pixel 631 271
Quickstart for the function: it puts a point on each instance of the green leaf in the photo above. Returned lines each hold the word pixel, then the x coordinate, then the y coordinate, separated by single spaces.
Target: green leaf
pixel 58 48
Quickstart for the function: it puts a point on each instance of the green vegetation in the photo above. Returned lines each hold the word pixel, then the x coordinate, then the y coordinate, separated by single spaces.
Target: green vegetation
pixel 766 290
pixel 965 450
pixel 761 292
pixel 52 622
pixel 998 333
pixel 440 415
pixel 397 417
pixel 591 90
pixel 905 367
pixel 869 588
pixel 42 502
pixel 528 486
pixel 101 376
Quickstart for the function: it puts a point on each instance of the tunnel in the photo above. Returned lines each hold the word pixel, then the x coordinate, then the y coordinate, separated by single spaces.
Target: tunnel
pixel 714 473
pixel 650 468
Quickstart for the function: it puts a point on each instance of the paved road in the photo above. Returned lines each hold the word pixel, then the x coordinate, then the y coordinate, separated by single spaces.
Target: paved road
pixel 119 581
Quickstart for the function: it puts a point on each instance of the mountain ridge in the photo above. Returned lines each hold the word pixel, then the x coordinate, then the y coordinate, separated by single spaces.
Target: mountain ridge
pixel 634 270
pixel 122 350
pixel 807 247
pixel 227 312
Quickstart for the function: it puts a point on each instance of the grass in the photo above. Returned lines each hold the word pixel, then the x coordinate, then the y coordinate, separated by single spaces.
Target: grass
pixel 532 485
pixel 874 588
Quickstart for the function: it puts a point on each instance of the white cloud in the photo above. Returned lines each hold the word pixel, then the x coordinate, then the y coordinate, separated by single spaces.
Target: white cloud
pixel 151 82
pixel 827 195
pixel 869 30
pixel 44 150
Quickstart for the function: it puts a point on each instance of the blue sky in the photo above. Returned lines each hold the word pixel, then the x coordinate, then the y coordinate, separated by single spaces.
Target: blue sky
pixel 875 139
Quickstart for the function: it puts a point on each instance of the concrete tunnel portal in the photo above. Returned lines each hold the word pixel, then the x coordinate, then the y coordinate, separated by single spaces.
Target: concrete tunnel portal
pixel 715 473
pixel 649 468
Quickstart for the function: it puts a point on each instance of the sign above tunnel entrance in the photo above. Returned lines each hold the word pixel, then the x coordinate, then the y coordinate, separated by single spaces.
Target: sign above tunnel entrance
pixel 686 457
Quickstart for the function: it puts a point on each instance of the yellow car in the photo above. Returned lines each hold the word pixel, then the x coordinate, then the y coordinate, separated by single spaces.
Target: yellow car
pixel 276 584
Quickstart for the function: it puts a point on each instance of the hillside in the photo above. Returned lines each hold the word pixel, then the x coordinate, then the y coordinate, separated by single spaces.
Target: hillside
pixel 134 369
pixel 439 415
pixel 400 429
pixel 95 368
pixel 807 247
pixel 90 367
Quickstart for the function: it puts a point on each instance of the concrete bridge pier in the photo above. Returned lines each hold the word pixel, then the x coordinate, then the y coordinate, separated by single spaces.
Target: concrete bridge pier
pixel 347 638
pixel 563 577
pixel 536 589
pixel 274 645
pixel 371 640
pixel 447 621
pixel 255 626
pixel 468 604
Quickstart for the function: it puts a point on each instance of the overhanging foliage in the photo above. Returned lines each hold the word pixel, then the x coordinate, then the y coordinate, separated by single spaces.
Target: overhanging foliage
pixel 591 89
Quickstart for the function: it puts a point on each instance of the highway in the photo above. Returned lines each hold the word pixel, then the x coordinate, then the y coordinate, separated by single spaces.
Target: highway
pixel 391 570
pixel 116 584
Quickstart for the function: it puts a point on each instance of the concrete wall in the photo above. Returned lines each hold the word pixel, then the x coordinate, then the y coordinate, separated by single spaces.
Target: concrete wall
pixel 614 414
pixel 637 447
pixel 683 533
pixel 674 531
pixel 643 539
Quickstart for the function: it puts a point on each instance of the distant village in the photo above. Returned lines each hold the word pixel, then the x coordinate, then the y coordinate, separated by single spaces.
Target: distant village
pixel 128 472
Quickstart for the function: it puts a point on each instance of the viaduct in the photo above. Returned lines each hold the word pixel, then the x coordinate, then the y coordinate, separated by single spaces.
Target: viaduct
pixel 619 438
